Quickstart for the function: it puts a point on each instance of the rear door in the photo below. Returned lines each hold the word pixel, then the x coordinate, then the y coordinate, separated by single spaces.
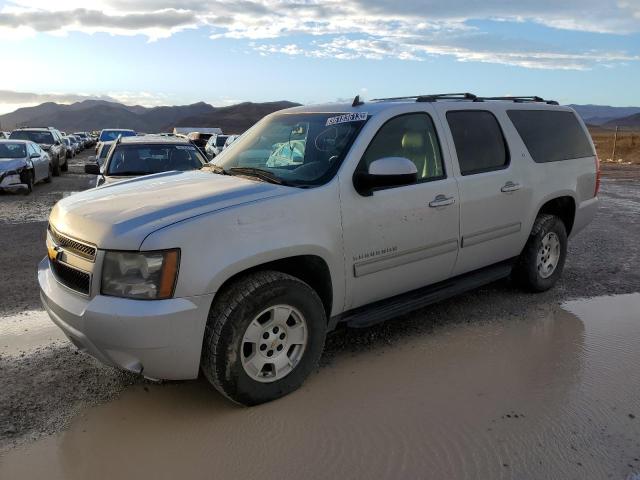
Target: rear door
pixel 494 192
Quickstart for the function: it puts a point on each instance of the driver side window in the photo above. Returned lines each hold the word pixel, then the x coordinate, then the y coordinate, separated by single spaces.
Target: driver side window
pixel 412 136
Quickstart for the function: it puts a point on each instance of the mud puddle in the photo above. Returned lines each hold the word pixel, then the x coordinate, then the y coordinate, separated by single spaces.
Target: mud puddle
pixel 26 332
pixel 551 393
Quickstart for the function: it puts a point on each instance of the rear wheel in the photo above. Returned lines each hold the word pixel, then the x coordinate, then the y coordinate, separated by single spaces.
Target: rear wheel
pixel 264 336
pixel 541 262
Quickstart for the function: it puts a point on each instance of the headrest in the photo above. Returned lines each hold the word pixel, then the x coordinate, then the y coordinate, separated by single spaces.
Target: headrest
pixel 413 140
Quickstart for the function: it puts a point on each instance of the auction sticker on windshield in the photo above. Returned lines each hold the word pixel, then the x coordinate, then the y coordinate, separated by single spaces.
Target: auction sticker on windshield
pixel 347 117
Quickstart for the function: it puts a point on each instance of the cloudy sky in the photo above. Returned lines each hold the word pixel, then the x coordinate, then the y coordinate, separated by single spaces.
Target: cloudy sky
pixel 154 52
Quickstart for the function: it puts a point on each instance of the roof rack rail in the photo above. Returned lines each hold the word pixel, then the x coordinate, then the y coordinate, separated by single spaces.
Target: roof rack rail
pixel 523 99
pixel 467 96
pixel 432 97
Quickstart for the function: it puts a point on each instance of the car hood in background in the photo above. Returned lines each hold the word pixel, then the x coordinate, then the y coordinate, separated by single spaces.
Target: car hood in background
pixel 12 164
pixel 123 214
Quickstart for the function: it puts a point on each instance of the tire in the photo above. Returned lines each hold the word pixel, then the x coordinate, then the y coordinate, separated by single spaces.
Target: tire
pixel 532 271
pixel 226 351
pixel 28 179
pixel 56 168
pixel 65 166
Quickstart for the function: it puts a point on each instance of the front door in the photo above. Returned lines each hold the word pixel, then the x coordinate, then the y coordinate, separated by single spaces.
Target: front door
pixel 401 238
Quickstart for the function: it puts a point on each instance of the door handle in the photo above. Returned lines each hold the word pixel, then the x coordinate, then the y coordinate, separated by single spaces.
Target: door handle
pixel 510 187
pixel 441 201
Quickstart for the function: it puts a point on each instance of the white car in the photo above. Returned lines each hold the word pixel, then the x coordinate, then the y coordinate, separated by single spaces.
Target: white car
pixel 132 157
pixel 230 139
pixel 22 164
pixel 241 269
pixel 215 145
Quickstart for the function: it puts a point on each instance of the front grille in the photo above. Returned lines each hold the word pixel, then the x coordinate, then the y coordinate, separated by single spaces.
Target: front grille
pixel 73 246
pixel 71 277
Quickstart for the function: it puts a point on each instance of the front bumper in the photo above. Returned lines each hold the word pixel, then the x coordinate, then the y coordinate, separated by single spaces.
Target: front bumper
pixel 160 339
pixel 12 181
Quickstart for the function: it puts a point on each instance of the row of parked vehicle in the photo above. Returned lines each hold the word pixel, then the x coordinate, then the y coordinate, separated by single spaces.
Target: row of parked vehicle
pixel 30 155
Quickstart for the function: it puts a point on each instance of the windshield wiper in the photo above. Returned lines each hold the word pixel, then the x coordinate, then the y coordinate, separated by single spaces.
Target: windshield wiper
pixel 258 173
pixel 128 174
pixel 216 169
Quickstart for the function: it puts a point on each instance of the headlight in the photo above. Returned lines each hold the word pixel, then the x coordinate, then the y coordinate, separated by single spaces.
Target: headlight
pixel 143 275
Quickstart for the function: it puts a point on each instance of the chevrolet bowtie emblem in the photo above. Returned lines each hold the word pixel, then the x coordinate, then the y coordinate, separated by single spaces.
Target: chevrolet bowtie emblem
pixel 53 252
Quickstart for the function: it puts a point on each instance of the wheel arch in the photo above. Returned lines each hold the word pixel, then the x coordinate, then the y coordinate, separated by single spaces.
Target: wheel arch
pixel 310 268
pixel 562 206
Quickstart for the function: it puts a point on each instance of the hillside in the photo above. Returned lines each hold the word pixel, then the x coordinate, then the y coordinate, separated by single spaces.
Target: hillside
pixel 631 122
pixel 602 114
pixel 98 114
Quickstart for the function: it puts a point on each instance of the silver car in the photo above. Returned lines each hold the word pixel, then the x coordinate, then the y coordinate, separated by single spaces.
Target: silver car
pixel 22 164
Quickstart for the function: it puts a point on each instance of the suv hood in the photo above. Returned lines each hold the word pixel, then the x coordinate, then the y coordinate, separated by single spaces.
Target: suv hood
pixel 121 215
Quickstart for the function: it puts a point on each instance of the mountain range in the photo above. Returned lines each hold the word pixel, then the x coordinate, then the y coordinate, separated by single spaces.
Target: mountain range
pixel 608 117
pixel 91 115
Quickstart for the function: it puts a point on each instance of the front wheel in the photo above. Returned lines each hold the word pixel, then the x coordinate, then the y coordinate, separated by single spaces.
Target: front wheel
pixel 65 167
pixel 264 336
pixel 541 262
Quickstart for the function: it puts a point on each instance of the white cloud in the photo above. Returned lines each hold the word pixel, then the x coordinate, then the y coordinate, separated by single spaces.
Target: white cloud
pixel 347 29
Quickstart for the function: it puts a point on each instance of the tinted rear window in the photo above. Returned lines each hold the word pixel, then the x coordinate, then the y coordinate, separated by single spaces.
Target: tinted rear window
pixel 42 137
pixel 479 142
pixel 551 136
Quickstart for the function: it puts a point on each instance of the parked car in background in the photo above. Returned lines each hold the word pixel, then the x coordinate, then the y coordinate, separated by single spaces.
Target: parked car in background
pixel 50 140
pixel 215 145
pixel 139 156
pixel 371 211
pixel 111 134
pixel 71 147
pixel 199 139
pixel 230 139
pixel 86 139
pixel 102 153
pixel 4 135
pixel 23 164
pixel 80 145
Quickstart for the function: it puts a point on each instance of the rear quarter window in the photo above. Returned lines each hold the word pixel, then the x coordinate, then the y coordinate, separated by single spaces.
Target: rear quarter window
pixel 551 136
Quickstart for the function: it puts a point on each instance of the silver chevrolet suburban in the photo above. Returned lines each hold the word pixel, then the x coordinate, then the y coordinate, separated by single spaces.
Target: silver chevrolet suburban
pixel 317 215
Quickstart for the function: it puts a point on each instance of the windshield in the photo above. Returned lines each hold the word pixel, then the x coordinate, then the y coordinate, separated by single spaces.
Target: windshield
pixel 44 138
pixel 110 135
pixel 104 150
pixel 128 160
pixel 12 150
pixel 299 149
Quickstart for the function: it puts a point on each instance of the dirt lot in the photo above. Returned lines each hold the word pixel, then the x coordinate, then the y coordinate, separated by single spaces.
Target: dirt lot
pixel 627 145
pixel 493 384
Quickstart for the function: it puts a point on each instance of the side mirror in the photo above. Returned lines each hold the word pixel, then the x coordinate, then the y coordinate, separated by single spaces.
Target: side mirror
pixel 34 155
pixel 92 168
pixel 384 173
pixel 57 142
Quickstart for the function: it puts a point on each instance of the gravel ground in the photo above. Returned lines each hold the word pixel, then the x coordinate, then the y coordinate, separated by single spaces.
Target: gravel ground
pixel 43 389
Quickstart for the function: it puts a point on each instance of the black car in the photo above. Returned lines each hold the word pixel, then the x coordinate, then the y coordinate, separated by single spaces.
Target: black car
pixel 50 140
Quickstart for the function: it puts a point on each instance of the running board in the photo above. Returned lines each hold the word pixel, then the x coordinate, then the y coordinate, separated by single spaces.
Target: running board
pixel 383 310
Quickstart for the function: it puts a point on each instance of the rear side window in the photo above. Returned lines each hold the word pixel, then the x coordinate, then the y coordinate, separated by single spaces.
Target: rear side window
pixel 551 136
pixel 479 142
